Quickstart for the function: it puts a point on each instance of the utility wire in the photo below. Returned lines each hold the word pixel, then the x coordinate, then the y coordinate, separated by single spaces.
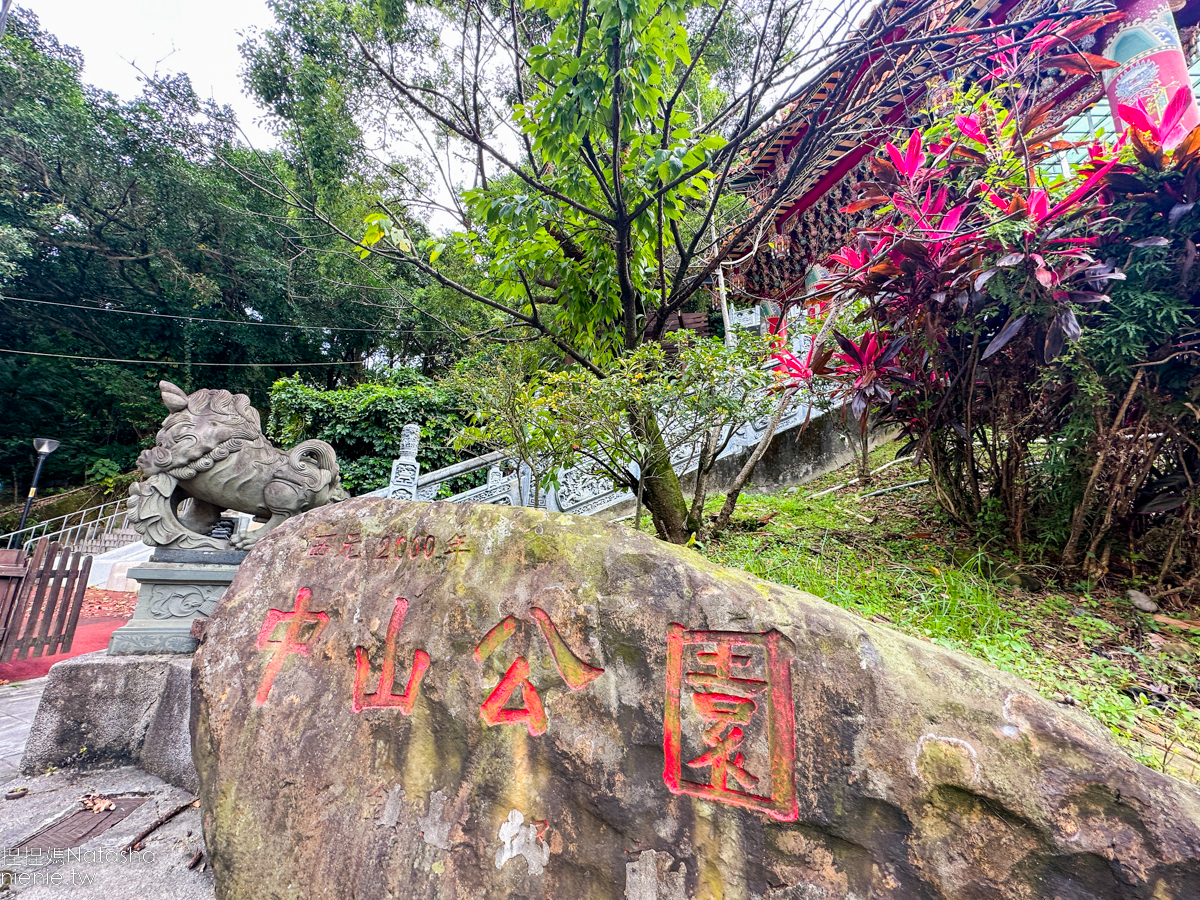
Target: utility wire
pixel 168 362
pixel 130 312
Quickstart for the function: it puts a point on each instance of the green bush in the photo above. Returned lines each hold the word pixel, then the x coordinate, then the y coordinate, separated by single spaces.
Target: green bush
pixel 363 423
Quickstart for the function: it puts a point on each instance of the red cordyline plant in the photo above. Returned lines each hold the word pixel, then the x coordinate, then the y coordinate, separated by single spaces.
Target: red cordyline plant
pixel 973 275
pixel 1170 130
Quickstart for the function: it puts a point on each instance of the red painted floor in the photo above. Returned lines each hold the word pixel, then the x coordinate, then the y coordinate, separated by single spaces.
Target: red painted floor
pixel 90 634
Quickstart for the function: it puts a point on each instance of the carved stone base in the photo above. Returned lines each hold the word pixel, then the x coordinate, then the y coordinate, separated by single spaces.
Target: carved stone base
pixel 171 596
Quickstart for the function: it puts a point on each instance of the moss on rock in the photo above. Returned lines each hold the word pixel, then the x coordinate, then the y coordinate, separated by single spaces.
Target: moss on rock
pixel 900 770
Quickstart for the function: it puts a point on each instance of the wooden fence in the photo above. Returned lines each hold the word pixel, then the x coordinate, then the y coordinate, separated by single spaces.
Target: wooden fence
pixel 40 599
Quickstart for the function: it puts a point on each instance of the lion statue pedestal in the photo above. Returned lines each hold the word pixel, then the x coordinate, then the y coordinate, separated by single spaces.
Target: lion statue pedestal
pixel 210 457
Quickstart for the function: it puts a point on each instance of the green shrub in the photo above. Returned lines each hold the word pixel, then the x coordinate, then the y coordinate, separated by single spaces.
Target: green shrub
pixel 363 423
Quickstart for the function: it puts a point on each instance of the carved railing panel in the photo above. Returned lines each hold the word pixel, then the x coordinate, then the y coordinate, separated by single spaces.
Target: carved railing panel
pixel 579 490
pixel 405 469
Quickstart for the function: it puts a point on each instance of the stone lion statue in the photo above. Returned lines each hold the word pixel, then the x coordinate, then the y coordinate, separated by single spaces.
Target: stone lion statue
pixel 211 452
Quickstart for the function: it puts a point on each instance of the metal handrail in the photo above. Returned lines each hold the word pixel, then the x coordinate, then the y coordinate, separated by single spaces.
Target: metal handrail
pixel 89 524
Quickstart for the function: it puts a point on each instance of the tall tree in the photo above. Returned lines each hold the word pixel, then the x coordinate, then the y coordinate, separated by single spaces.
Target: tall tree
pixel 586 150
pixel 121 238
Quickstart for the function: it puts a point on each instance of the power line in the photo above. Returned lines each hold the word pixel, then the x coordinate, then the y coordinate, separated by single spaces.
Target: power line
pixel 130 312
pixel 168 362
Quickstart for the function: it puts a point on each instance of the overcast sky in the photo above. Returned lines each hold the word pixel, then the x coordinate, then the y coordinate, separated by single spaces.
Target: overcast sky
pixel 200 39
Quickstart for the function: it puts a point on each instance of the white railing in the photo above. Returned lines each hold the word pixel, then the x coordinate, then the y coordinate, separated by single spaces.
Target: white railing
pixel 744 318
pixel 579 491
pixel 93 530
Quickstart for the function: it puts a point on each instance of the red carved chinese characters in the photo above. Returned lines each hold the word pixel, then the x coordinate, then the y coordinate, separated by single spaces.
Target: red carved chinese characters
pixel 318 545
pixel 729 700
pixel 383 698
pixel 575 672
pixel 290 643
pixel 493 639
pixel 532 712
pixel 404 549
pixel 350 546
pixel 456 545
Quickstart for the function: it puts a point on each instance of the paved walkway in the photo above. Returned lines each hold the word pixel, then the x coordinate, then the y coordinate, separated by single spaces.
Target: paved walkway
pixel 170 867
pixel 97 869
pixel 92 634
pixel 18 704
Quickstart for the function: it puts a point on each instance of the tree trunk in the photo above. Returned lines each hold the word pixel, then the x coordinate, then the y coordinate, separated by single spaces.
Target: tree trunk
pixel 735 490
pixel 708 453
pixel 864 455
pixel 1105 439
pixel 662 494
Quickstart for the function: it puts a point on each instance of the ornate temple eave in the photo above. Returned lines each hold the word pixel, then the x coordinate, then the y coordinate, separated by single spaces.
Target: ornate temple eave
pixel 807 218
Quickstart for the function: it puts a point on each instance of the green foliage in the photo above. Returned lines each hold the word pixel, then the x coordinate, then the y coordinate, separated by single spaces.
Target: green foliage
pixel 104 472
pixel 151 207
pixel 296 73
pixel 1148 309
pixel 595 226
pixel 99 207
pixel 609 81
pixel 571 417
pixel 1087 649
pixel 363 423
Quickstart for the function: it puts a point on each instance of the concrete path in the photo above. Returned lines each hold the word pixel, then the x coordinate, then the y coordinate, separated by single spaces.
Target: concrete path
pixel 96 869
pixel 18 704
pixel 100 868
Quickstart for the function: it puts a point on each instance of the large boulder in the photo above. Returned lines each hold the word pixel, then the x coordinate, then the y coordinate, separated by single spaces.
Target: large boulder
pixel 415 700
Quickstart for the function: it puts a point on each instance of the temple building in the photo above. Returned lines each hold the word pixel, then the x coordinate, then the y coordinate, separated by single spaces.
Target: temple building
pixel 769 273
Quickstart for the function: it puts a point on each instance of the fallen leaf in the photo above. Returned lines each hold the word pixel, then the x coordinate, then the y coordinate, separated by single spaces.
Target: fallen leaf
pixel 1178 623
pixel 97 802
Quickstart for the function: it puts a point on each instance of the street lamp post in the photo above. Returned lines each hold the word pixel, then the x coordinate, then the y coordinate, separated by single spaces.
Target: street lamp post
pixel 44 447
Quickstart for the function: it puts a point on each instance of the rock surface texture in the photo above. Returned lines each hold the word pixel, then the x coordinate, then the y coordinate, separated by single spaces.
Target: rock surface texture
pixel 99 711
pixel 423 700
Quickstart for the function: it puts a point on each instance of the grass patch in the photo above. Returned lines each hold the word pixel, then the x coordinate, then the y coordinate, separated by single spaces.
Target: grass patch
pixel 894 559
